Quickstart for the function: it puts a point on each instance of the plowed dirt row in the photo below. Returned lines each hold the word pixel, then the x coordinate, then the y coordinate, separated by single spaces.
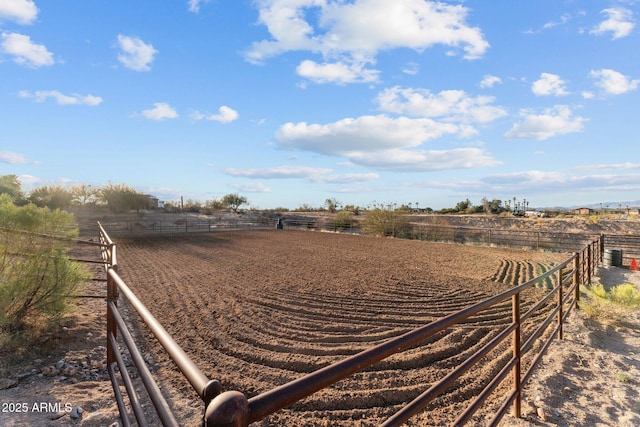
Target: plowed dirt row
pixel 257 309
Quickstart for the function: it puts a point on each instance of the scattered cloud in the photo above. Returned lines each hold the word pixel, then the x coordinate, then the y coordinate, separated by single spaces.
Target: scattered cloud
pixel 383 142
pixel 451 105
pixel 225 115
pixel 24 51
pixel 135 54
pixel 194 5
pixel 23 12
pixel 338 72
pixel 549 84
pixel 160 111
pixel 12 158
pixel 614 166
pixel 563 20
pixel 552 122
pixel 489 81
pixel 61 99
pixel 613 82
pixel 252 187
pixel 424 160
pixel 28 181
pixel 411 68
pixel 311 174
pixel 350 35
pixel 620 23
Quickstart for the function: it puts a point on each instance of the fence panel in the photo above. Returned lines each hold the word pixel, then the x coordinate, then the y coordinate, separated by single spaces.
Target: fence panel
pixel 231 408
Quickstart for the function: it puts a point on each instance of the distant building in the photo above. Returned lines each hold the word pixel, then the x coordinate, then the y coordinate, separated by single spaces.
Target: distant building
pixel 583 211
pixel 151 202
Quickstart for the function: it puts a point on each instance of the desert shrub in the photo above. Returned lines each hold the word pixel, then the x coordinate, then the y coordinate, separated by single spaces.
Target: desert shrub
pixel 36 275
pixel 610 305
pixel 385 221
pixel 342 221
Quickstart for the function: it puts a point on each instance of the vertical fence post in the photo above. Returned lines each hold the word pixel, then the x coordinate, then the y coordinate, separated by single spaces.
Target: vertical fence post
pixel 517 403
pixel 601 245
pixel 589 263
pixel 560 296
pixel 576 278
pixel 112 296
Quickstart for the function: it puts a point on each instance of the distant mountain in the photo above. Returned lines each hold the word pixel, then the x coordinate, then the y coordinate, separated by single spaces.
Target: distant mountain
pixel 597 206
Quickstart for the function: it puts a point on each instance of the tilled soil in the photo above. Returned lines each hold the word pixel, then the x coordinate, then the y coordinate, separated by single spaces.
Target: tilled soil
pixel 260 308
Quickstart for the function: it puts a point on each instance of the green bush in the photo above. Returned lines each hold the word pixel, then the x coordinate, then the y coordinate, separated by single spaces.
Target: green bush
pixel 342 221
pixel 36 275
pixel 385 221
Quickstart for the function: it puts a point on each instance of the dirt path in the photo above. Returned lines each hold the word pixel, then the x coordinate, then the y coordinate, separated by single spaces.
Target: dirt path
pixel 299 316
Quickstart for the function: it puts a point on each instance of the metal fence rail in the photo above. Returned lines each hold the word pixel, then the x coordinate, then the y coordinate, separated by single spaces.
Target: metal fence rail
pixel 233 408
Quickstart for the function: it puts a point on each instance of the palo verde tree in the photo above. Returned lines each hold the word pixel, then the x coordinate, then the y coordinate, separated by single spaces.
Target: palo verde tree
pixel 36 276
pixel 10 185
pixel 384 220
pixel 234 201
pixel 53 197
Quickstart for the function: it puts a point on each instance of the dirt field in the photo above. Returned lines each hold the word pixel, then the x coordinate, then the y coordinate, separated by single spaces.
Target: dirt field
pixel 260 308
pixel 257 309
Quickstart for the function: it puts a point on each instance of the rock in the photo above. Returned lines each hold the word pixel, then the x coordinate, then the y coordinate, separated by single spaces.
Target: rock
pixel 94 417
pixel 38 362
pixel 76 412
pixel 542 414
pixel 59 364
pixel 6 383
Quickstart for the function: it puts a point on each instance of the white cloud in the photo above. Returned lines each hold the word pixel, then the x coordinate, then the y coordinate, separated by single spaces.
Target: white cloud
pixel 61 99
pixel 312 174
pixel 365 133
pixel 194 5
pixel 24 51
pixel 279 172
pixel 225 115
pixel 252 187
pixel 619 22
pixel 613 82
pixel 452 105
pixel 490 81
pixel 552 122
pixel 411 68
pixel 12 158
pixel 338 72
pixel 425 160
pixel 23 12
pixel 136 54
pixel 383 143
pixel 29 180
pixel 160 111
pixel 549 84
pixel 350 35
pixel 563 20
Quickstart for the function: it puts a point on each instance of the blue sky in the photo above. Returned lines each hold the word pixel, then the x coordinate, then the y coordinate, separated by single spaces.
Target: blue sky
pixel 291 102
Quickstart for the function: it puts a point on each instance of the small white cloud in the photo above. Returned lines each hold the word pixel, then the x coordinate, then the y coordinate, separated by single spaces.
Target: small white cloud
pixel 337 72
pixel 587 95
pixel 225 115
pixel 552 122
pixel 194 5
pixel 29 180
pixel 23 12
pixel 12 158
pixel 425 160
pixel 135 54
pixel 450 105
pixel 613 82
pixel 619 22
pixel 61 99
pixel 252 187
pixel 24 51
pixel 279 172
pixel 563 20
pixel 549 84
pixel 411 68
pixel 489 81
pixel 160 111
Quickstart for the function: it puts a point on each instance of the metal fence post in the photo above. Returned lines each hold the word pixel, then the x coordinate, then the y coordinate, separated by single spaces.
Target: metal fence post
pixel 560 296
pixel 576 278
pixel 517 402
pixel 112 296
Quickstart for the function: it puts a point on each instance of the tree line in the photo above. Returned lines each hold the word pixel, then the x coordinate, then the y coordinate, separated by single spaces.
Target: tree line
pixel 119 198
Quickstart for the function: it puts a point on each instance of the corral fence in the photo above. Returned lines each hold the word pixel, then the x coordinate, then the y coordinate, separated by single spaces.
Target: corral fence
pixel 184 225
pixel 233 408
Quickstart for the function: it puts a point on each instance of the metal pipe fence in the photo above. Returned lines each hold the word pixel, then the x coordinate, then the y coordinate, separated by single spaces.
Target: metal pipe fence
pixel 233 408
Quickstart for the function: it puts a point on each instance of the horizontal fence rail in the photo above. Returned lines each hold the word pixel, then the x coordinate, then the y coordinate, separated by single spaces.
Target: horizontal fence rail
pixel 232 408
